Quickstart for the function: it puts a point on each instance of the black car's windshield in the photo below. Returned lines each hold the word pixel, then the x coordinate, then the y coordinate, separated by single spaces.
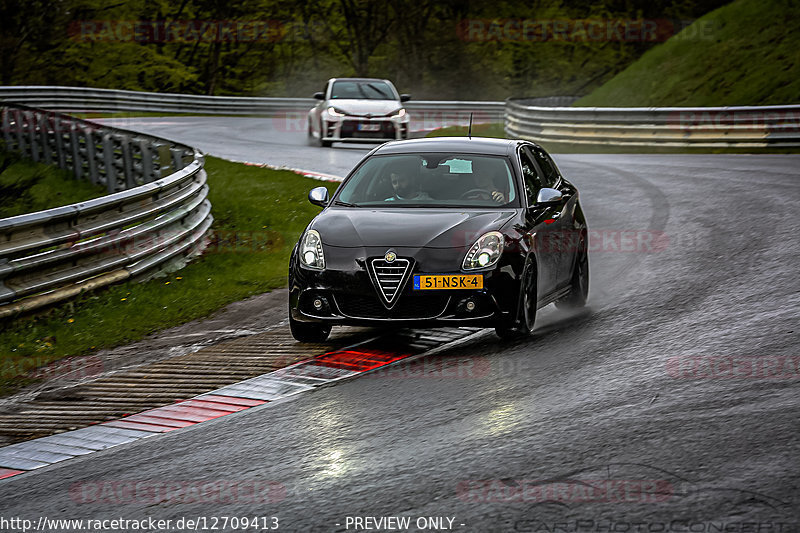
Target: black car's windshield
pixel 431 180
pixel 370 90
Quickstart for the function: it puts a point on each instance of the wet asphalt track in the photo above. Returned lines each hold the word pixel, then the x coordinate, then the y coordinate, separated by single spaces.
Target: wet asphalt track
pixel 486 431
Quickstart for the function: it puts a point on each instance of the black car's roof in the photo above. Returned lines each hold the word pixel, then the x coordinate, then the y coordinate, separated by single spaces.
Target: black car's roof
pixel 475 145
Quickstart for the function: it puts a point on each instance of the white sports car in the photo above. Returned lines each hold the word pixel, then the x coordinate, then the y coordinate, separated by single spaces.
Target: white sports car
pixel 358 110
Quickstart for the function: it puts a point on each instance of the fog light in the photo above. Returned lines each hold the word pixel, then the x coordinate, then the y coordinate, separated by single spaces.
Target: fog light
pixel 470 305
pixel 317 304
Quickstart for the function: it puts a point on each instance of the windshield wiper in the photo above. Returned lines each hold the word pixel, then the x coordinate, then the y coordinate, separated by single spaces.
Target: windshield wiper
pixel 345 204
pixel 379 91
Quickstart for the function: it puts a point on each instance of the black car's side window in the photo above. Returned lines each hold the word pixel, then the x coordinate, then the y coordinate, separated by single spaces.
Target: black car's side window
pixel 530 175
pixel 547 166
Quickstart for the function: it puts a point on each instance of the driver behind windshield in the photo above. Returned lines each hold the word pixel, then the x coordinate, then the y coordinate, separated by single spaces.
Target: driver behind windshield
pixel 405 185
pixel 484 179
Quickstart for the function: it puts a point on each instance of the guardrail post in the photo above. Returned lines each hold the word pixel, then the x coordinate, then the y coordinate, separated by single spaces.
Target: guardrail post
pixel 30 120
pixel 108 163
pixel 127 163
pixel 91 155
pixel 58 132
pixel 147 161
pixel 164 160
pixel 7 128
pixel 45 137
pixel 19 119
pixel 75 149
pixel 177 158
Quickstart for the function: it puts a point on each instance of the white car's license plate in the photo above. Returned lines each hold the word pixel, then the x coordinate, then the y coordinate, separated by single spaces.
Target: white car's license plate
pixel 369 127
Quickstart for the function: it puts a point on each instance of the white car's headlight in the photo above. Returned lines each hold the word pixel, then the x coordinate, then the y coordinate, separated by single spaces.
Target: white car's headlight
pixel 400 113
pixel 311 250
pixel 332 111
pixel 485 252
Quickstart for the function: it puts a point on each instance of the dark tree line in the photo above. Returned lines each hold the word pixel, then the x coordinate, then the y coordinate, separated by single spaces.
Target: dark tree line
pixel 435 49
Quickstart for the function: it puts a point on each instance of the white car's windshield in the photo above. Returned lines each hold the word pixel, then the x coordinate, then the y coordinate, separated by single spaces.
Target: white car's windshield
pixel 369 90
pixel 431 180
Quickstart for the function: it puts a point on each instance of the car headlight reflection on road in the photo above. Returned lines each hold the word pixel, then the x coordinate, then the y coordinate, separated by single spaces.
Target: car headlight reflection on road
pixel 332 111
pixel 485 252
pixel 311 250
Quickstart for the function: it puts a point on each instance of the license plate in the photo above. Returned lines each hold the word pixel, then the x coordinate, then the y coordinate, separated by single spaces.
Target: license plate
pixel 447 281
pixel 369 127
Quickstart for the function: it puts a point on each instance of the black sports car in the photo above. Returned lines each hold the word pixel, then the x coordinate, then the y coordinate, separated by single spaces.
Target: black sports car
pixel 441 231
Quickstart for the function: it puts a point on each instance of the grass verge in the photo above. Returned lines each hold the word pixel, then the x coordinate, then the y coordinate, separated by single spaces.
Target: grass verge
pixel 259 215
pixel 26 186
pixel 744 53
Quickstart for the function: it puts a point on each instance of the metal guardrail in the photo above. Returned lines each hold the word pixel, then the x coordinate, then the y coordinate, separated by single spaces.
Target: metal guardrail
pixel 546 119
pixel 704 127
pixel 82 99
pixel 155 215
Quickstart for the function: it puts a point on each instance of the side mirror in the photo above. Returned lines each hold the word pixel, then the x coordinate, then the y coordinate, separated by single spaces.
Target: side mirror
pixel 319 96
pixel 548 196
pixel 318 196
pixel 405 97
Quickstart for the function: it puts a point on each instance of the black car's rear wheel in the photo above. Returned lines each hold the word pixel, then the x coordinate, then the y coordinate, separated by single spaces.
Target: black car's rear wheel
pixel 526 309
pixel 308 332
pixel 579 285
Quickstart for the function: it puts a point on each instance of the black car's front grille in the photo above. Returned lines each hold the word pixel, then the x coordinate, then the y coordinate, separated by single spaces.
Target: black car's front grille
pixel 408 306
pixel 391 277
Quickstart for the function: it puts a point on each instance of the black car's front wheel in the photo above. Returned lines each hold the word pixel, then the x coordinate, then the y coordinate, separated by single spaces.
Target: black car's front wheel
pixel 579 284
pixel 526 309
pixel 308 332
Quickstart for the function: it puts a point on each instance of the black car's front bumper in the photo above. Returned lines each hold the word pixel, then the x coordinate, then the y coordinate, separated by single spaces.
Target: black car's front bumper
pixel 349 295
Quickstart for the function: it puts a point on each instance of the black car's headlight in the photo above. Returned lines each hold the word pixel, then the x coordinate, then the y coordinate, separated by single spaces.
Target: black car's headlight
pixel 311 250
pixel 485 252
